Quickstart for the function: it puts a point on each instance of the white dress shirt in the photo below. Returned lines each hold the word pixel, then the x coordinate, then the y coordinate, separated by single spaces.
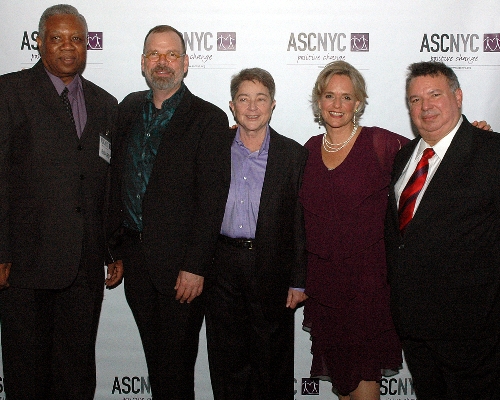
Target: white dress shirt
pixel 440 149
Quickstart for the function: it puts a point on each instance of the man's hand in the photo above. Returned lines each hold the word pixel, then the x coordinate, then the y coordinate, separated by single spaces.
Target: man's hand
pixel 4 275
pixel 482 125
pixel 188 286
pixel 115 274
pixel 295 297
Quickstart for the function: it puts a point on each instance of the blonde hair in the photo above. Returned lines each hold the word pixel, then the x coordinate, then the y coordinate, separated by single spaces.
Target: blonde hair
pixel 339 68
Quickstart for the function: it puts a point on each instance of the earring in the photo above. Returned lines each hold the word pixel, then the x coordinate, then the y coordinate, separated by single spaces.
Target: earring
pixel 354 116
pixel 319 119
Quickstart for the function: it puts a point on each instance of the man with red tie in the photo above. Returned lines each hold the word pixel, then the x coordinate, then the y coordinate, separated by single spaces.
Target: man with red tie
pixel 443 243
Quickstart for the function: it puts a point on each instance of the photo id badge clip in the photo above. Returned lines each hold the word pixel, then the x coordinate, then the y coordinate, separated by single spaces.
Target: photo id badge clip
pixel 104 148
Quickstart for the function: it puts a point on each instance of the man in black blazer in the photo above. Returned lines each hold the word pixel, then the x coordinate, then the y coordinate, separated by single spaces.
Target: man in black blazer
pixel 444 256
pixel 253 231
pixel 54 165
pixel 167 158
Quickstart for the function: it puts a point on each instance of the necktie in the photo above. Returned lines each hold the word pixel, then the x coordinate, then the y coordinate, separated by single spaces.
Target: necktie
pixel 412 189
pixel 67 104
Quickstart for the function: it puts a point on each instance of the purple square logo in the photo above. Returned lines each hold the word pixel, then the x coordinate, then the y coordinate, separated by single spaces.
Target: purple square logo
pixel 491 42
pixel 310 386
pixel 360 42
pixel 226 41
pixel 94 41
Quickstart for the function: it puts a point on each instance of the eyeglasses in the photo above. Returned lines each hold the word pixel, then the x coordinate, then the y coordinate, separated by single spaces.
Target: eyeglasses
pixel 170 56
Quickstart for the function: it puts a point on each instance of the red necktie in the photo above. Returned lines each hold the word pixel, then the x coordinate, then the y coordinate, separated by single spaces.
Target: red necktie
pixel 412 189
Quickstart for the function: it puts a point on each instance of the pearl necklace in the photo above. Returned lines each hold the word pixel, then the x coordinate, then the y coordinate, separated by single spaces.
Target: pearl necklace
pixel 334 147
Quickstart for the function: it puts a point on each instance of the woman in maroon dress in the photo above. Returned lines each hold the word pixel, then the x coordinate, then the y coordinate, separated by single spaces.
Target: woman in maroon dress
pixel 344 194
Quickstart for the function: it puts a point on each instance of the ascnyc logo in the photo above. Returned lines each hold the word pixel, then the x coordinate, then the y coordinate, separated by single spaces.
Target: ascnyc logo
pixel 328 41
pixel 205 41
pixel 131 384
pixel 459 42
pixel 94 41
pixel 310 386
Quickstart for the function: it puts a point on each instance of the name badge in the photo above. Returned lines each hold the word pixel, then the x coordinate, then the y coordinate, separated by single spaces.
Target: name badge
pixel 105 148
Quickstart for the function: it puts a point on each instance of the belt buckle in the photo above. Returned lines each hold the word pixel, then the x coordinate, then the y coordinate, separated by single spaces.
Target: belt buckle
pixel 248 244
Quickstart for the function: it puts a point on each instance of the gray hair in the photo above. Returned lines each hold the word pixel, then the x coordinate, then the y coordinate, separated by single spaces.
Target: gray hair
pixel 339 68
pixel 432 68
pixel 254 75
pixel 59 9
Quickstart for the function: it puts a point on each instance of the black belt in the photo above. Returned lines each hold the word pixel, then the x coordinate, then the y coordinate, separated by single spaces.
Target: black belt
pixel 241 243
pixel 132 233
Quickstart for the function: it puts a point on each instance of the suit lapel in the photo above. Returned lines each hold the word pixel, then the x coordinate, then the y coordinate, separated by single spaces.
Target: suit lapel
pixel 274 171
pixel 402 159
pixel 92 109
pixel 177 125
pixel 94 113
pixel 447 176
pixel 45 97
pixel 180 118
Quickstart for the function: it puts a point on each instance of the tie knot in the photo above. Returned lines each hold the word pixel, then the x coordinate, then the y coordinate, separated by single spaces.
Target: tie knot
pixel 65 92
pixel 428 153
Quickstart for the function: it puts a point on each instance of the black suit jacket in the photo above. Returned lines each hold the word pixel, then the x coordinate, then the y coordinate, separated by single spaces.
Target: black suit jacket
pixel 279 237
pixel 445 272
pixel 53 185
pixel 184 175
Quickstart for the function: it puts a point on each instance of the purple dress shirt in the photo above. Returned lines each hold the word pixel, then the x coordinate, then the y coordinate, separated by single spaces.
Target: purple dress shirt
pixel 247 177
pixel 76 99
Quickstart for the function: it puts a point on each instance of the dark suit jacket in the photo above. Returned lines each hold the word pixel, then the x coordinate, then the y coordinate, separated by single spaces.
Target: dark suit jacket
pixel 52 184
pixel 186 165
pixel 445 272
pixel 279 237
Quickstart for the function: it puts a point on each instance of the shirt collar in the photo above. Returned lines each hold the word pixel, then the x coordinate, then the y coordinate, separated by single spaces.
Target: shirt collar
pixel 73 86
pixel 173 101
pixel 263 147
pixel 441 147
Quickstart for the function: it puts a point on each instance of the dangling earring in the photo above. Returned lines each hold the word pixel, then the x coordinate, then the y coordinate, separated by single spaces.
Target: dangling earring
pixel 354 117
pixel 319 119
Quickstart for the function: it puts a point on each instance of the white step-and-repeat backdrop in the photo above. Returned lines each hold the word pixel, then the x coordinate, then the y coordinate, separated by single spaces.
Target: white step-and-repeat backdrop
pixel 293 40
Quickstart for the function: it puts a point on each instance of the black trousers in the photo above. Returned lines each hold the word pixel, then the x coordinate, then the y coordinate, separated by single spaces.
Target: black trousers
pixel 454 369
pixel 48 340
pixel 250 354
pixel 169 330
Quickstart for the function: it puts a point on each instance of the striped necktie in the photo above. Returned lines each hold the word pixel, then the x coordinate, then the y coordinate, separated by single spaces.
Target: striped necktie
pixel 412 189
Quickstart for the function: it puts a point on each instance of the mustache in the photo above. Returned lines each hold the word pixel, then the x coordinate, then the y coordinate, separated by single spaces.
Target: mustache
pixel 163 68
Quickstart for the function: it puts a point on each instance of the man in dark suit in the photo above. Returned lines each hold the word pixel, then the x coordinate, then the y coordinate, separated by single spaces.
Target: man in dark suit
pixel 256 233
pixel 54 159
pixel 443 244
pixel 167 155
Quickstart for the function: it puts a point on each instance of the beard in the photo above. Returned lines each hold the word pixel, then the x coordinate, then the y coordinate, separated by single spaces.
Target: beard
pixel 161 82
